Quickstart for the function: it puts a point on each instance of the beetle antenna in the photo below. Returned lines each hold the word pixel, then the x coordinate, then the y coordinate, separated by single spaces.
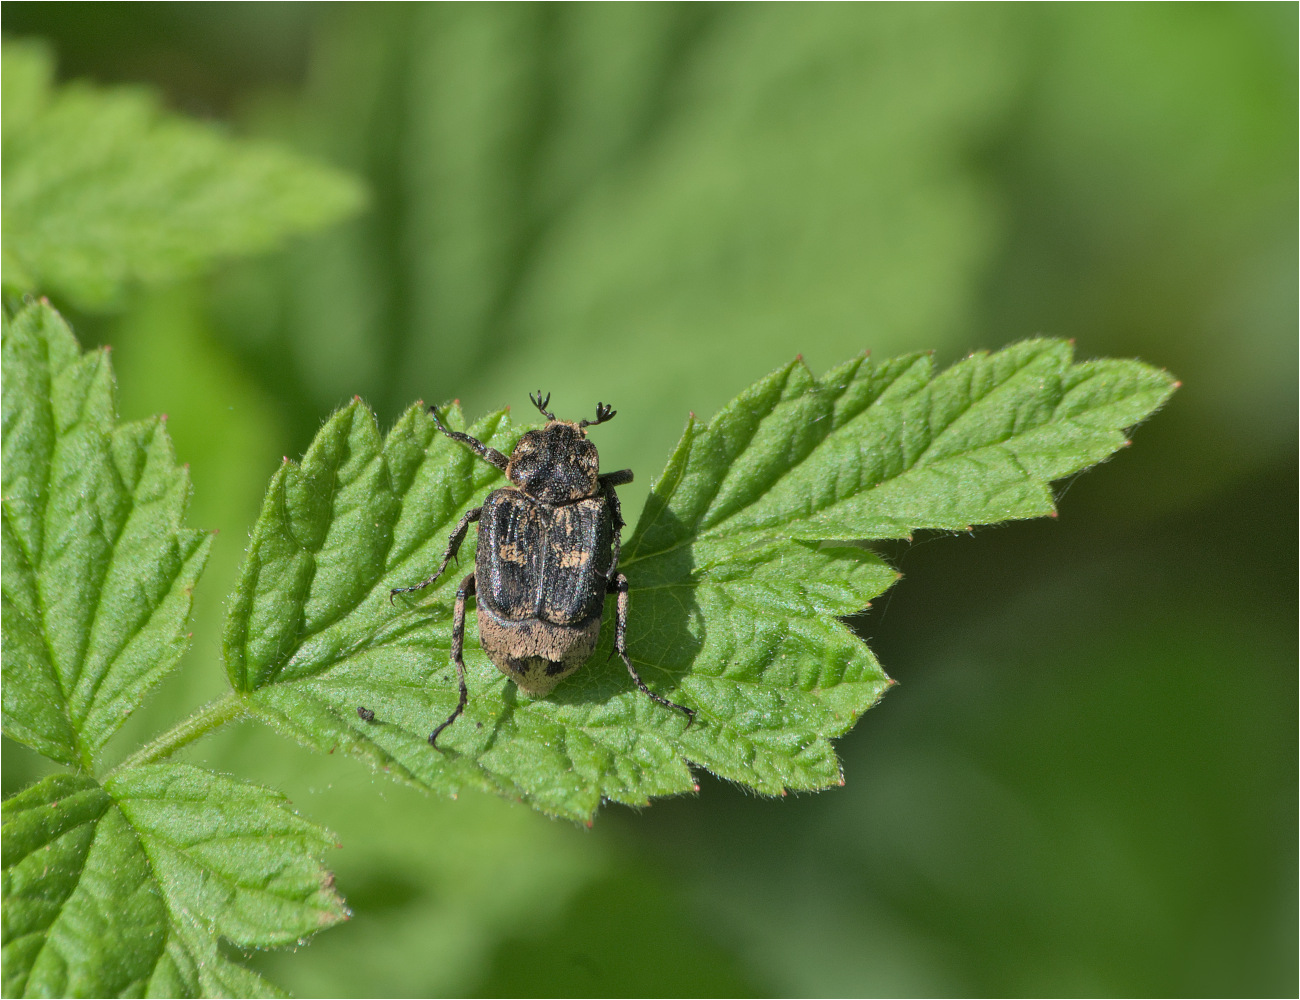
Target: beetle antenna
pixel 603 412
pixel 541 404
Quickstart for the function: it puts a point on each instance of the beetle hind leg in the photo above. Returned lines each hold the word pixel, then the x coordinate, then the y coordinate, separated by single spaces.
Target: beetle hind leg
pixel 466 590
pixel 620 647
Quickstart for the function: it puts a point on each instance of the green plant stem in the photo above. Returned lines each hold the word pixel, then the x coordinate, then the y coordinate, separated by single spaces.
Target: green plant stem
pixel 210 717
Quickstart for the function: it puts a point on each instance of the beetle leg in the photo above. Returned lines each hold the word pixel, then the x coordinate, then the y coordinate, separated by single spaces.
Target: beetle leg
pixel 617 510
pixel 453 546
pixel 473 444
pixel 620 647
pixel 457 653
pixel 607 483
pixel 620 478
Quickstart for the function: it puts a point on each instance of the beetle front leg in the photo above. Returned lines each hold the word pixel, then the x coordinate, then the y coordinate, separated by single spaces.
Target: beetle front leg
pixel 466 590
pixel 620 478
pixel 453 546
pixel 473 444
pixel 620 647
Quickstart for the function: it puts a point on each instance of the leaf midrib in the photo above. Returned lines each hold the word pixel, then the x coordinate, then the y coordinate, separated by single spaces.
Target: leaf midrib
pixel 95 680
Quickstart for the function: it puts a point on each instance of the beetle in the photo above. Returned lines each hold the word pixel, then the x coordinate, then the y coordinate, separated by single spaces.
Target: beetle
pixel 548 551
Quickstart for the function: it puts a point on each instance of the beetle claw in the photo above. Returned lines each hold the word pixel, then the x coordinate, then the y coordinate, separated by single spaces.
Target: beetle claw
pixel 542 404
pixel 604 411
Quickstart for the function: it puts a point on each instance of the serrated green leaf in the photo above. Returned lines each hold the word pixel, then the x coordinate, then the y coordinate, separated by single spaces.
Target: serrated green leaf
pixel 881 451
pixel 735 593
pixel 98 566
pixel 103 189
pixel 123 889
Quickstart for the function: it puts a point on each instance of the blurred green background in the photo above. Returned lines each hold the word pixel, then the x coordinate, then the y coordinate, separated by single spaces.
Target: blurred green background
pixel 1086 780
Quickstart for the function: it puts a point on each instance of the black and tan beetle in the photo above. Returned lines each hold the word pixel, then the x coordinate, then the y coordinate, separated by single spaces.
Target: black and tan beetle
pixel 548 551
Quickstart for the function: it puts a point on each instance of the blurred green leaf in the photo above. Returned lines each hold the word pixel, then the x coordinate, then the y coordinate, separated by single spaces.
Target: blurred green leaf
pixel 124 889
pixel 614 199
pixel 584 953
pixel 98 567
pixel 734 593
pixel 103 188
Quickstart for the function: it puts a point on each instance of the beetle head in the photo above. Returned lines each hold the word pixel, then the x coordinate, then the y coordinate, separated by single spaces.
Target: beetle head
pixel 555 464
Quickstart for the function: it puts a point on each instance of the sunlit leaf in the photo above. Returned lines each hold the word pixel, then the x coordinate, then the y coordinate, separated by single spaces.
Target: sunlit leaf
pixel 741 563
pixel 98 565
pixel 122 885
pixel 124 889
